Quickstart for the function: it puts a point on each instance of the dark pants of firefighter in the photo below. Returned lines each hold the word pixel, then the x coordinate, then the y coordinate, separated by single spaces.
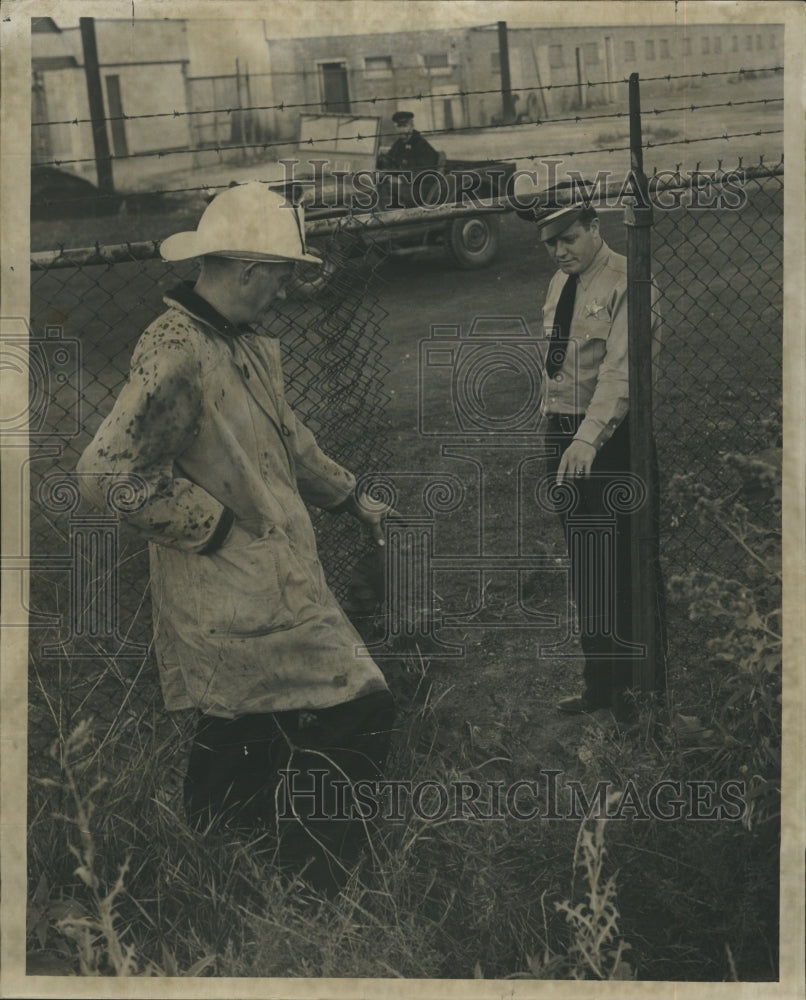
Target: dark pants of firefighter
pixel 289 773
pixel 599 542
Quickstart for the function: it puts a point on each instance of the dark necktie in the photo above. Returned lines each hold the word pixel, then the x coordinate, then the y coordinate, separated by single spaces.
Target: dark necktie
pixel 561 329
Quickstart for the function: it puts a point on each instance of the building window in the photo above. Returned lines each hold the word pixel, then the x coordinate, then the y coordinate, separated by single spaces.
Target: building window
pixel 556 56
pixel 748 43
pixel 759 42
pixel 649 49
pixel 495 61
pixel 773 41
pixel 717 46
pixel 377 67
pixel 687 47
pixel 734 43
pixel 629 52
pixel 664 48
pixel 436 62
pixel 591 50
pixel 705 44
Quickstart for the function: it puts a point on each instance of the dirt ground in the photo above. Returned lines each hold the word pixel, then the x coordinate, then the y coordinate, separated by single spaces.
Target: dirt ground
pixel 500 682
pixel 502 678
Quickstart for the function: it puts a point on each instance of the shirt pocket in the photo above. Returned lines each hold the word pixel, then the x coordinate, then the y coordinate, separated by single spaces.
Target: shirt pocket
pixel 592 326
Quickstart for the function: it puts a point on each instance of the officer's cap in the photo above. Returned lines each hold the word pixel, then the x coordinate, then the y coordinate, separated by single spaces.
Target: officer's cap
pixel 401 117
pixel 557 220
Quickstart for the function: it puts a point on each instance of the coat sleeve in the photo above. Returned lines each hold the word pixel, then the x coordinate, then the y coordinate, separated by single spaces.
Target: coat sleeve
pixel 156 416
pixel 321 481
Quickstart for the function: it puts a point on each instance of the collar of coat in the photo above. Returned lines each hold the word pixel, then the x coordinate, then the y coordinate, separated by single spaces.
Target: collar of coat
pixel 184 296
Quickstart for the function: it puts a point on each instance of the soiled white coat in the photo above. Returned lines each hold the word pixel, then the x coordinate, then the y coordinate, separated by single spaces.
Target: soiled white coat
pixel 203 424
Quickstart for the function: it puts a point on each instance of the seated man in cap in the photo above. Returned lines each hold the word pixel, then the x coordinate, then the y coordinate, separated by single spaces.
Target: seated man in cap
pixel 246 629
pixel 410 153
pixel 586 400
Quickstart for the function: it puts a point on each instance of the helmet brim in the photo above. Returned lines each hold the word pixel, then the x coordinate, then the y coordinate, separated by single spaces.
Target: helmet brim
pixel 187 245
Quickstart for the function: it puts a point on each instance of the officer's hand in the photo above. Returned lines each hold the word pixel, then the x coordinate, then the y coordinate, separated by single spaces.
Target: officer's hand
pixel 372 513
pixel 576 460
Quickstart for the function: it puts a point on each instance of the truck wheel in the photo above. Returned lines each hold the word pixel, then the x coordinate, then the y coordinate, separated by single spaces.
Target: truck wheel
pixel 473 241
pixel 311 280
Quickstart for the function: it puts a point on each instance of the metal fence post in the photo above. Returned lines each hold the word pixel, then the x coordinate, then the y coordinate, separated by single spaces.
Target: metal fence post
pixel 638 220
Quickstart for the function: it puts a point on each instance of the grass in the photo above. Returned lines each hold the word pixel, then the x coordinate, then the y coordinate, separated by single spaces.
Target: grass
pixel 119 883
pixel 446 899
pixel 124 887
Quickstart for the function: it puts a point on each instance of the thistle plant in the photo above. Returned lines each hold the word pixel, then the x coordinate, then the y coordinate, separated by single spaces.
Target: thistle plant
pixel 596 947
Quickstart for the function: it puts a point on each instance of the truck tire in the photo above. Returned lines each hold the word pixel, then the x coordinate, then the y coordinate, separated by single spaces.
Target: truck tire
pixel 473 240
pixel 311 280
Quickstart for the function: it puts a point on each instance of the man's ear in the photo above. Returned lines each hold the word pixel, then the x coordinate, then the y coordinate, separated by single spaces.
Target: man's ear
pixel 246 272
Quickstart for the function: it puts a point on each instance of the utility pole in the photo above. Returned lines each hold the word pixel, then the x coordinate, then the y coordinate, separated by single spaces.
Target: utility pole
pixel 100 140
pixel 507 108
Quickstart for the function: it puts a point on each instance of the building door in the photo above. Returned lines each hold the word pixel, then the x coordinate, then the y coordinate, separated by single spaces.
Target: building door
pixel 335 87
pixel 115 106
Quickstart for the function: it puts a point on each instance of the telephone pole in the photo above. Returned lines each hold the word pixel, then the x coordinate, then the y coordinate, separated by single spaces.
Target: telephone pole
pixel 100 140
pixel 507 108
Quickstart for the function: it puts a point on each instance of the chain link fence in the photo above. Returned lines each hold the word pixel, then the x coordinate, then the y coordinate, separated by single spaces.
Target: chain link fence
pixel 718 260
pixel 90 612
pixel 719 270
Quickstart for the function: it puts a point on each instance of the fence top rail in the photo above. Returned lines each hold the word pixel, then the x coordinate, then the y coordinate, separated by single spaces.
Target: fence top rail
pixel 118 253
pixel 122 253
pixel 614 193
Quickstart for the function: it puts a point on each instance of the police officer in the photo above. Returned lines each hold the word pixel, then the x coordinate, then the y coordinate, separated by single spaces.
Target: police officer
pixel 586 402
pixel 409 151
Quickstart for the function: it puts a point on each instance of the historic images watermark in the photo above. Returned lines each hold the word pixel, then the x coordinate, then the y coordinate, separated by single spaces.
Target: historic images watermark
pixel 523 190
pixel 90 623
pixel 545 797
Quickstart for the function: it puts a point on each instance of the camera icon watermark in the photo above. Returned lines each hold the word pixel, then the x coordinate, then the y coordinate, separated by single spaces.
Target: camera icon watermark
pixel 492 378
pixel 50 364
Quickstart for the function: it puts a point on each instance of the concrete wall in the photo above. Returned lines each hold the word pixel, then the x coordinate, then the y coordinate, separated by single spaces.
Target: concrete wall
pixel 606 54
pixel 385 72
pixel 448 78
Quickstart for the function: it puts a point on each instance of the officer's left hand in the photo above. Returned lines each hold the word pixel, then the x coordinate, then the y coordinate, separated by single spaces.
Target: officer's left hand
pixel 576 460
pixel 372 513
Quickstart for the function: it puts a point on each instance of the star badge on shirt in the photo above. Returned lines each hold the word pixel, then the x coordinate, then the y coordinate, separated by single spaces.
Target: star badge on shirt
pixel 594 308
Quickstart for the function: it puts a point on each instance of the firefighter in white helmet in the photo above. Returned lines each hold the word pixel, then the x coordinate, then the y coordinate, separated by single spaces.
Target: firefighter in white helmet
pixel 246 629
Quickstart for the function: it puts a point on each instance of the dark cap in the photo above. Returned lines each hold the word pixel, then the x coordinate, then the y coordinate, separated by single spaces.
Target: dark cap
pixel 401 117
pixel 558 220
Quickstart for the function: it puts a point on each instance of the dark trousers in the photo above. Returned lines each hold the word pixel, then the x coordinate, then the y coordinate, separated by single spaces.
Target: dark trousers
pixel 289 773
pixel 598 538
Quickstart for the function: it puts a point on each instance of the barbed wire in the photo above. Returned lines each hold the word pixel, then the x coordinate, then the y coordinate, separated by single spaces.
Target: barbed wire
pixel 283 106
pixel 647 145
pixel 208 189
pixel 265 146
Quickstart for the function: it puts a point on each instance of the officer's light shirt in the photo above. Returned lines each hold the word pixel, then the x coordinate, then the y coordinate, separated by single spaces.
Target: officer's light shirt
pixel 594 378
